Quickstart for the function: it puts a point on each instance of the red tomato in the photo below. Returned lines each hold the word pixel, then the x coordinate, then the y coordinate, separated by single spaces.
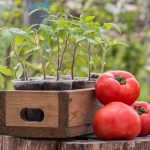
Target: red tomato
pixel 116 120
pixel 143 109
pixel 118 86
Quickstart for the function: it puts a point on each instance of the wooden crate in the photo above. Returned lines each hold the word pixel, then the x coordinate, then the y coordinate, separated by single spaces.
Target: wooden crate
pixel 66 113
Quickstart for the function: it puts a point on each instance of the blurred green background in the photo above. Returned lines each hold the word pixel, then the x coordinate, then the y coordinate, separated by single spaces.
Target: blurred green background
pixel 131 15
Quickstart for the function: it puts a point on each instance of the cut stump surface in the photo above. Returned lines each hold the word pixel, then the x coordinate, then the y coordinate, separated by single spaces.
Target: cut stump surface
pixel 80 143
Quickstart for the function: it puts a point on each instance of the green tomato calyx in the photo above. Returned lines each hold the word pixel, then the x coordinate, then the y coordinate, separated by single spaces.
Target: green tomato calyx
pixel 140 109
pixel 120 79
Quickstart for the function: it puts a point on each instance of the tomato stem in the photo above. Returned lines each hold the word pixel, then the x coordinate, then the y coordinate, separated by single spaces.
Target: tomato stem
pixel 120 79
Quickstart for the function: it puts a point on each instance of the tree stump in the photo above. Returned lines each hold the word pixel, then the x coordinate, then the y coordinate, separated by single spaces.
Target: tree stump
pixel 78 143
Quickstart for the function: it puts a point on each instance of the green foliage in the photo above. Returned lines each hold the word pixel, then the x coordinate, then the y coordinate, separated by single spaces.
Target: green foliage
pixel 12 13
pixel 5 72
pixel 57 39
pixel 131 58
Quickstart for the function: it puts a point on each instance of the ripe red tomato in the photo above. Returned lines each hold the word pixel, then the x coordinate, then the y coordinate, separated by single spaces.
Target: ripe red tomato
pixel 118 86
pixel 143 108
pixel 116 120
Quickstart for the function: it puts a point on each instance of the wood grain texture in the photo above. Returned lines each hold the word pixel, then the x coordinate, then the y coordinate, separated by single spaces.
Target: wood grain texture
pixel 82 106
pixel 35 132
pixel 94 144
pixel 2 108
pixel 14 143
pixel 46 101
pixel 63 108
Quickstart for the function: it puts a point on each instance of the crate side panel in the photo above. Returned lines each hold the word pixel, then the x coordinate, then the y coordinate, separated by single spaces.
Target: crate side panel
pixel 18 100
pixel 82 106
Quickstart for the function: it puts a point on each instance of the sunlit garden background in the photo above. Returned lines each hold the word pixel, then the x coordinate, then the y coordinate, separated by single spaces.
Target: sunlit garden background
pixel 132 16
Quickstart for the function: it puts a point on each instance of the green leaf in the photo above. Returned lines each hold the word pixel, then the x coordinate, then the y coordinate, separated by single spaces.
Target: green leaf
pixel 2 28
pixel 72 31
pixel 44 28
pixel 53 24
pixel 121 43
pixel 5 70
pixel 19 41
pixel 17 31
pixel 47 64
pixel 89 18
pixel 9 34
pixel 114 42
pixel 88 32
pixel 60 29
pixel 61 21
pixel 99 40
pixel 92 41
pixel 80 38
pixel 6 37
pixel 19 70
pixel 112 25
pixel 31 50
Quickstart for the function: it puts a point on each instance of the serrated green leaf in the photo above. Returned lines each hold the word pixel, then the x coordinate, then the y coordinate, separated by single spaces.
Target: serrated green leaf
pixel 114 42
pixel 80 38
pixel 33 49
pixel 44 28
pixel 72 31
pixel 6 37
pixel 88 32
pixel 61 21
pixel 9 34
pixel 19 41
pixel 17 31
pixel 47 64
pixel 60 29
pixel 89 18
pixel 121 43
pixel 112 25
pixel 5 70
pixel 53 24
pixel 99 40
pixel 92 41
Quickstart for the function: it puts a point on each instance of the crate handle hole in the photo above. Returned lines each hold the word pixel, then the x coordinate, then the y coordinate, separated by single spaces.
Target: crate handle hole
pixel 32 114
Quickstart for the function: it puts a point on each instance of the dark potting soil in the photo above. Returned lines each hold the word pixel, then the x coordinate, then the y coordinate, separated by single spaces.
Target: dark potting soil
pixel 64 83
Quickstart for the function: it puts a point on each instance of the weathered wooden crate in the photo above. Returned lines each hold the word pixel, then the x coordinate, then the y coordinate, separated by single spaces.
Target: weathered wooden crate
pixel 60 114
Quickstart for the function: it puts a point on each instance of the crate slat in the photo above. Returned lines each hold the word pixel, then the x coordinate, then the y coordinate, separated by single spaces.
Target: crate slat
pixel 15 103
